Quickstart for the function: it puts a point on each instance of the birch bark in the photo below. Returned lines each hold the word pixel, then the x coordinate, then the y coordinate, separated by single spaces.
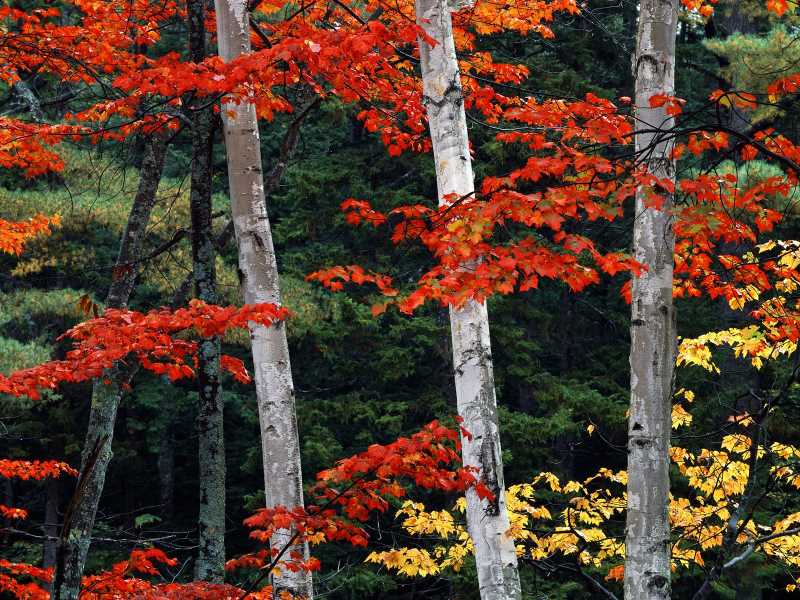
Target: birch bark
pixel 653 328
pixel 77 532
pixel 258 270
pixel 487 522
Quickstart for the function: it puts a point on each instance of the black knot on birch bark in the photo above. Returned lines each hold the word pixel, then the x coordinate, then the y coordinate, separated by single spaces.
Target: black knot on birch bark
pixel 451 94
pixel 657 61
pixel 259 242
pixel 658 582
pixel 489 468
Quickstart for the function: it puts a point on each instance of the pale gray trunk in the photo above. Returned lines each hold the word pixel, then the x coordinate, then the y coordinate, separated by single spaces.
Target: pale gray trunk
pixel 653 330
pixel 283 481
pixel 487 521
pixel 78 524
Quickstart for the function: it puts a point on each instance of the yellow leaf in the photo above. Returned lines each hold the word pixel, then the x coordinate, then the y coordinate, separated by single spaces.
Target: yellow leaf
pixel 766 247
pixel 680 417
pixel 736 303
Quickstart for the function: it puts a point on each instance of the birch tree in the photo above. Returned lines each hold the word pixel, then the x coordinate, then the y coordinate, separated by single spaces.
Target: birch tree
pixel 653 329
pixel 487 521
pixel 283 481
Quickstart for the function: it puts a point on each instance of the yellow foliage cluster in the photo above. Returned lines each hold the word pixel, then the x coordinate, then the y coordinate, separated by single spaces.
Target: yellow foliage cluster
pixel 582 519
pixel 414 562
pixel 754 342
pixel 680 416
pixel 765 340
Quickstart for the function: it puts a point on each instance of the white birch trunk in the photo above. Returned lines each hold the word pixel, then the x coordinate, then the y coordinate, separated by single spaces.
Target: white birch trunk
pixel 653 330
pixel 258 270
pixel 487 522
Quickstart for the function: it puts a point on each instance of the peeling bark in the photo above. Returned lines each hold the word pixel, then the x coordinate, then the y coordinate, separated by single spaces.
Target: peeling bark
pixel 653 328
pixel 210 565
pixel 487 521
pixel 283 481
pixel 76 538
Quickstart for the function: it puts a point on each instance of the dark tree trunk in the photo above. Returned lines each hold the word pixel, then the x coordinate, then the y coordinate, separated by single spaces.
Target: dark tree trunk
pixel 8 495
pixel 629 11
pixel 166 468
pixel 50 527
pixel 210 564
pixel 76 534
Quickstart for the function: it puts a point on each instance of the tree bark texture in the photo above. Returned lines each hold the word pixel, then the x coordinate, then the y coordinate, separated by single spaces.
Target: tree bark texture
pixel 210 565
pixel 653 328
pixel 166 467
pixel 258 270
pixel 50 527
pixel 487 521
pixel 77 533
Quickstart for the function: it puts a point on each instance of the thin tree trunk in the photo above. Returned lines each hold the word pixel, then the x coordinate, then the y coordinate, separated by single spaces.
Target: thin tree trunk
pixel 653 328
pixel 166 467
pixel 50 527
pixel 210 565
pixel 629 38
pixel 29 99
pixel 283 481
pixel 487 521
pixel 77 534
pixel 8 500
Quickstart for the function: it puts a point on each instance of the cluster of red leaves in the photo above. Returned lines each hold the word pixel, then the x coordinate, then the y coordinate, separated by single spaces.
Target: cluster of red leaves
pixel 32 589
pixel 780 7
pixel 15 234
pixel 342 497
pixel 706 7
pixel 150 338
pixel 355 488
pixel 104 38
pixel 10 573
pixel 727 224
pixel 572 182
pixel 361 52
pixel 26 146
pixel 492 16
pixel 335 278
pixel 28 470
pixel 721 211
pixel 123 580
pixel 721 220
pixel 703 7
pixel 35 470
